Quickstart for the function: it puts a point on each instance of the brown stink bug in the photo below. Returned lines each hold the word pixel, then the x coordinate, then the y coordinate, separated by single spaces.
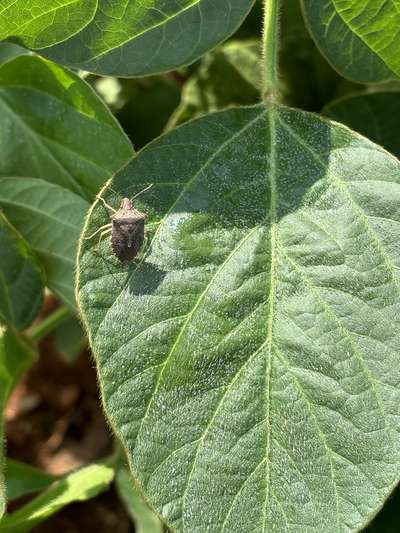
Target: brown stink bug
pixel 126 227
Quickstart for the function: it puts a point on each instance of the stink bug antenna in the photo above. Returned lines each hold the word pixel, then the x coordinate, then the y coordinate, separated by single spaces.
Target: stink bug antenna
pixel 144 190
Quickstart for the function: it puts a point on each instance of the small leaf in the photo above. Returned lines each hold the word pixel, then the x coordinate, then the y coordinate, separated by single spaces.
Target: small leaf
pixel 22 479
pixel 135 39
pixel 49 218
pixel 346 51
pixel 373 115
pixel 61 131
pixel 16 356
pixel 228 75
pixel 145 520
pixel 21 283
pixel 248 360
pixel 41 23
pixel 78 486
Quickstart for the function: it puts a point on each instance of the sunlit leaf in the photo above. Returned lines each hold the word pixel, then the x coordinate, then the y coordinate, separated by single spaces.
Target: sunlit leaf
pixel 49 218
pixel 342 46
pixel 141 38
pixel 41 23
pixel 76 487
pixel 248 360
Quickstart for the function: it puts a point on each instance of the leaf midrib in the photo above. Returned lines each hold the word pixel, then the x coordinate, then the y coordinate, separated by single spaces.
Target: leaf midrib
pixel 149 29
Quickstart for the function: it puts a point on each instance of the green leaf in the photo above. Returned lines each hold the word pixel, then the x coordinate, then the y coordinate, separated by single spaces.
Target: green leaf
pixel 377 24
pixel 141 38
pixel 22 479
pixel 374 115
pixel 41 23
pixel 81 485
pixel 61 131
pixel 228 75
pixel 21 287
pixel 9 51
pixel 248 360
pixel 144 518
pixel 70 339
pixel 49 218
pixel 342 47
pixel 16 356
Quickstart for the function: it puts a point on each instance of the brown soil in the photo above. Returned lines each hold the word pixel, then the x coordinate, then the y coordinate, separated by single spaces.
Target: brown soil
pixel 54 421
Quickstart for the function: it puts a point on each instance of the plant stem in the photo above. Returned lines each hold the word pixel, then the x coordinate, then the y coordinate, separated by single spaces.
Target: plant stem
pixel 270 49
pixel 49 323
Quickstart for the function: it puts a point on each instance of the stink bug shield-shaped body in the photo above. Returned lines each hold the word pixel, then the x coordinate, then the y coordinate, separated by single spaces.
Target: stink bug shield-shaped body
pixel 126 227
pixel 127 234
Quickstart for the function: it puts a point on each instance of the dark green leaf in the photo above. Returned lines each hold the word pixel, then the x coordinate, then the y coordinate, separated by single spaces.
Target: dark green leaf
pixel 49 218
pixel 78 486
pixel 228 75
pixel 22 479
pixel 249 359
pixel 21 282
pixel 144 518
pixel 41 23
pixel 345 49
pixel 374 115
pixel 54 127
pixel 136 39
pixel 70 339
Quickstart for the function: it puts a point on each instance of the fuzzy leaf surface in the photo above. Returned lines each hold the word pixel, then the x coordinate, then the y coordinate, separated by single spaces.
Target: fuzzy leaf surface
pixel 54 127
pixel 342 46
pixel 248 360
pixel 50 219
pixel 141 38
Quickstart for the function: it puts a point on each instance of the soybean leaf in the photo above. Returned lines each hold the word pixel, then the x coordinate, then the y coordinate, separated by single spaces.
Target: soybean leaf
pixel 21 283
pixel 41 23
pixel 249 359
pixel 69 339
pixel 143 517
pixel 307 79
pixel 16 356
pixel 78 486
pixel 22 479
pixel 149 103
pixel 377 23
pixel 49 218
pixel 228 75
pixel 9 51
pixel 346 51
pixel 137 39
pixel 54 127
pixel 374 115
